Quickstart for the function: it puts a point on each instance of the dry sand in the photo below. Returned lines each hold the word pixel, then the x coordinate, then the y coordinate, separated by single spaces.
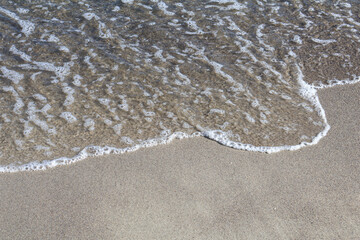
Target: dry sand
pixel 198 189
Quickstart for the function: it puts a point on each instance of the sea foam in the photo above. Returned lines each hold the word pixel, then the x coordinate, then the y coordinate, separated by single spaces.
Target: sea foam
pixel 83 79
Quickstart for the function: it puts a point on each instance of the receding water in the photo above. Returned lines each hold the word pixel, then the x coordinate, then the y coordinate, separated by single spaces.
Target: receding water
pixel 83 78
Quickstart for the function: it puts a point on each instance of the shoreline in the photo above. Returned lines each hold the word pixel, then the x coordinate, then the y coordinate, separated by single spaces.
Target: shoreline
pixel 198 189
pixel 309 92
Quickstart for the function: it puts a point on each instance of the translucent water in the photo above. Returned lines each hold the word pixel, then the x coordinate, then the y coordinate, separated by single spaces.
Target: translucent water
pixel 84 78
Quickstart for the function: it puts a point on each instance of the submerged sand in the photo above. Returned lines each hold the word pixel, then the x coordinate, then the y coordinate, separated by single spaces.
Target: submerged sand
pixel 199 189
pixel 124 74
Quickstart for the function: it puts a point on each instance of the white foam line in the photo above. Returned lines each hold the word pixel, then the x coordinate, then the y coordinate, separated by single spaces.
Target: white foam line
pixel 92 151
pixel 308 92
pixel 336 82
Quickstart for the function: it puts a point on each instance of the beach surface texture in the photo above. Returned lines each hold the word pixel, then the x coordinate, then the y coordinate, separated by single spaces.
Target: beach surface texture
pixel 198 189
pixel 179 119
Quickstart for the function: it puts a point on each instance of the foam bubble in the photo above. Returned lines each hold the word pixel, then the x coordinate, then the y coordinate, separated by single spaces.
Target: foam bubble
pixel 89 124
pixel 68 116
pixel 128 1
pixel 12 75
pixel 27 26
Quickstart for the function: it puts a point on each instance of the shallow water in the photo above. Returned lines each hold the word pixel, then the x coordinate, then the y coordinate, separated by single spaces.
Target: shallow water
pixel 82 78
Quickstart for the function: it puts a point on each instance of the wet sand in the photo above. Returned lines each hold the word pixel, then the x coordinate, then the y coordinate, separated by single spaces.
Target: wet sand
pixel 198 189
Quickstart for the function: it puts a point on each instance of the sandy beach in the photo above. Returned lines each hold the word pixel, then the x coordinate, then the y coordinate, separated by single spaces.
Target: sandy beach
pixel 198 189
